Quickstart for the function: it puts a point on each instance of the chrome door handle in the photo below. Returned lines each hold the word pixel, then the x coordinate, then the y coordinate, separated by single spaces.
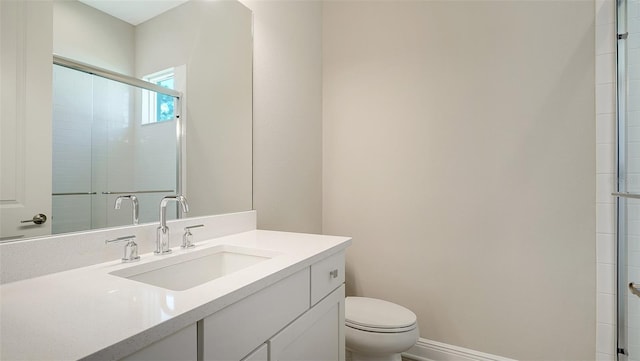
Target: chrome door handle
pixel 37 219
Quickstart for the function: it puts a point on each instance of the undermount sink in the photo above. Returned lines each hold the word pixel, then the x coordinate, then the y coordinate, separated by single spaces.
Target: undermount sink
pixel 194 268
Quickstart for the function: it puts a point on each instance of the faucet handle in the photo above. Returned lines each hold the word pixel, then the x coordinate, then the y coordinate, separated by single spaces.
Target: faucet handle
pixel 130 249
pixel 186 237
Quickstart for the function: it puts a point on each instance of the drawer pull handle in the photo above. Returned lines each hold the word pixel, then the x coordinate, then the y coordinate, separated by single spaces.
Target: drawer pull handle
pixel 333 274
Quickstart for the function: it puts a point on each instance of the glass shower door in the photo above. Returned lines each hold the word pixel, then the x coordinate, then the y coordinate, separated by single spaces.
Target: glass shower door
pixel 628 144
pixel 106 145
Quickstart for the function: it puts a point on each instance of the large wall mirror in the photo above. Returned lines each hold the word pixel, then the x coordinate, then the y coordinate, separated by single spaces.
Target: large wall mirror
pixel 73 142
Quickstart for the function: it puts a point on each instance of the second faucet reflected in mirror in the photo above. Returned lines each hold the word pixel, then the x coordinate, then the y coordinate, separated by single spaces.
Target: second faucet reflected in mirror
pixel 134 200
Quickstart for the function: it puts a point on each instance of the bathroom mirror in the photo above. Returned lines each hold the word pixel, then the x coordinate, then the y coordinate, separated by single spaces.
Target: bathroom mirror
pixel 206 46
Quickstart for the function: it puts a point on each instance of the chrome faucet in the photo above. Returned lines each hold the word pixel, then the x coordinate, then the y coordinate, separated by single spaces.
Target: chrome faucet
pixel 134 200
pixel 162 239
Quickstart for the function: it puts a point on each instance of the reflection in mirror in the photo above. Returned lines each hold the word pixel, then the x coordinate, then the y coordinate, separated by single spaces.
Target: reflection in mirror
pixel 211 49
pixel 110 140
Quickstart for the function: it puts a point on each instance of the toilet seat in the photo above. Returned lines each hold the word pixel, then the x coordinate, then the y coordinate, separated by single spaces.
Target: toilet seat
pixel 381 330
pixel 374 315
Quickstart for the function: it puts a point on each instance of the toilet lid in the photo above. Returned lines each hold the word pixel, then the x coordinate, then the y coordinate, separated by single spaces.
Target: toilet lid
pixel 372 314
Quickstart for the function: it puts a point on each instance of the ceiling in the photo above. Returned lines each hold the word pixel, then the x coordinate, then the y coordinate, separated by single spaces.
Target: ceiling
pixel 133 11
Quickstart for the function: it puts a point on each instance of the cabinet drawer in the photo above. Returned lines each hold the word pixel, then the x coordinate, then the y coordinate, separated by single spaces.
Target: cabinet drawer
pixel 326 276
pixel 233 332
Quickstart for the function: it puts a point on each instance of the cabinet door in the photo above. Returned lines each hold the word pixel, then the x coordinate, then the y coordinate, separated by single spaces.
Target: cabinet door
pixel 235 331
pixel 318 335
pixel 261 354
pixel 181 345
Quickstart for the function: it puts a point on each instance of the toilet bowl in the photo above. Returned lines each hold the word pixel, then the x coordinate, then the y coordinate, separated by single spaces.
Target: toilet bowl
pixel 378 330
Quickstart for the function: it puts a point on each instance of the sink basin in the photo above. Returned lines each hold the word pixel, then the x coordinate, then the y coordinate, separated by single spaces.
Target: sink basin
pixel 191 269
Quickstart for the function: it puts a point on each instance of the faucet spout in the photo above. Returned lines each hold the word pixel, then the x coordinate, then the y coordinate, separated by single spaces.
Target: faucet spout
pixel 162 239
pixel 134 201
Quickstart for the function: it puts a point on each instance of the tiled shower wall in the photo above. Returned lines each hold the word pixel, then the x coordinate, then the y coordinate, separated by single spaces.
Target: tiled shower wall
pixel 605 179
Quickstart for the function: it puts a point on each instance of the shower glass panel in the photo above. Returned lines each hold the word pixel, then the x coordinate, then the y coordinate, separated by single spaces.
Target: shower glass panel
pixel 108 142
pixel 628 131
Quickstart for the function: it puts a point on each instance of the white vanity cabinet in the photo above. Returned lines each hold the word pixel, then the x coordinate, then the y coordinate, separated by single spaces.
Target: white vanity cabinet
pixel 288 306
pixel 181 345
pixel 300 318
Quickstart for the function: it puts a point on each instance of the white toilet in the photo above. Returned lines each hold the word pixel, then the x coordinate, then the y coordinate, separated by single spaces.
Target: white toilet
pixel 378 330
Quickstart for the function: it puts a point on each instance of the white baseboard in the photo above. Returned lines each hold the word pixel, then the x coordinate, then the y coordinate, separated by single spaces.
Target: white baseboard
pixel 428 350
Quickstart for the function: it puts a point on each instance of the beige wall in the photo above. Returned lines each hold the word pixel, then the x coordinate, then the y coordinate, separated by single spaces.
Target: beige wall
pixel 80 33
pixel 287 120
pixel 459 154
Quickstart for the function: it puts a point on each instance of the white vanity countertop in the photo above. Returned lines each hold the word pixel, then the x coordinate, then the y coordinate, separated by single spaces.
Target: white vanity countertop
pixel 89 313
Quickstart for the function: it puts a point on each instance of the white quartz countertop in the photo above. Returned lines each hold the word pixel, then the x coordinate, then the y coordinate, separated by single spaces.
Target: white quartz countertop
pixel 87 313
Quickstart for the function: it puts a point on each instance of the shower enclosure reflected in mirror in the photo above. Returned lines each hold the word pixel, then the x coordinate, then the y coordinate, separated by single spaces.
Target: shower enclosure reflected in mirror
pixel 111 139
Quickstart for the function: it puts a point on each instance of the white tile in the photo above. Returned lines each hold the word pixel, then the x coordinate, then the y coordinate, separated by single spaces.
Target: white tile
pixel 633 60
pixel 633 41
pixel 606 248
pixel 605 68
pixel 605 185
pixel 634 88
pixel 632 9
pixel 605 216
pixel 606 278
pixel 634 335
pixel 605 12
pixel 633 274
pixel 605 98
pixel 606 306
pixel 633 134
pixel 605 39
pixel 633 259
pixel 634 350
pixel 605 339
pixel 605 357
pixel 633 57
pixel 633 305
pixel 633 229
pixel 605 159
pixel 633 243
pixel 633 99
pixel 633 26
